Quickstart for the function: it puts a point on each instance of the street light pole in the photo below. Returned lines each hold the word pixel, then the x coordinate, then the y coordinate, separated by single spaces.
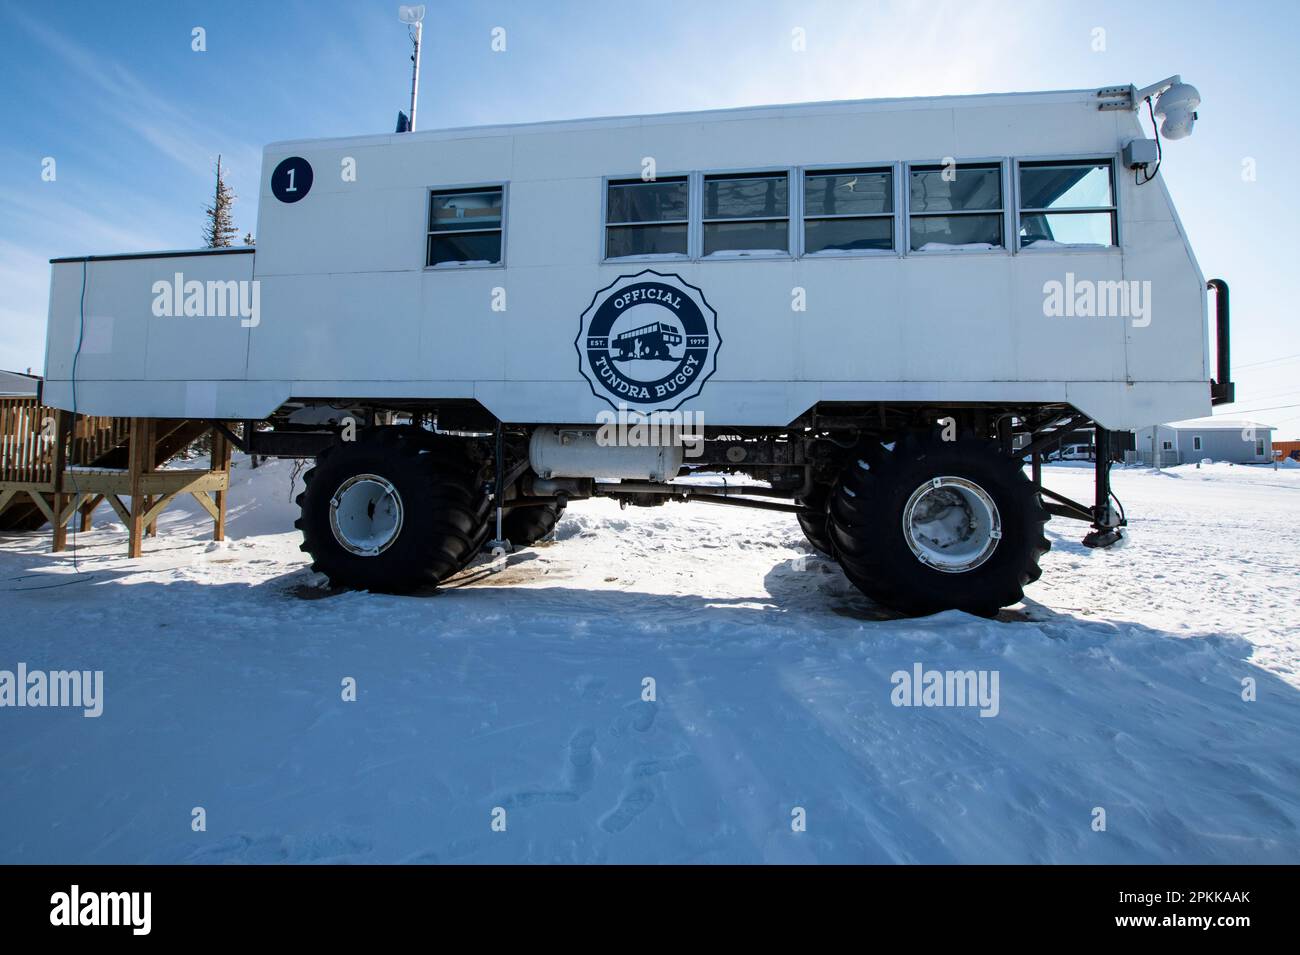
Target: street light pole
pixel 413 16
pixel 415 71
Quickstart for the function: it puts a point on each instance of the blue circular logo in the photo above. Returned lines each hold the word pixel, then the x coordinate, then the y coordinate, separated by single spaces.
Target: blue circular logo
pixel 650 342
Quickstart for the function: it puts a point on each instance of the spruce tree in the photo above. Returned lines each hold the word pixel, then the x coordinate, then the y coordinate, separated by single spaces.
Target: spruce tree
pixel 220 227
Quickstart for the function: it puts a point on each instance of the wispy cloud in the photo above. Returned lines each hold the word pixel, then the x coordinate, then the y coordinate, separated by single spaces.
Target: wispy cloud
pixel 745 55
pixel 851 51
pixel 24 279
pixel 88 208
pixel 42 227
pixel 135 105
pixel 68 218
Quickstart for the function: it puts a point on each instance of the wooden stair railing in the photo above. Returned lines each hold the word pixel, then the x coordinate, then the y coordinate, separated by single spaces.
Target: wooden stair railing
pixel 54 464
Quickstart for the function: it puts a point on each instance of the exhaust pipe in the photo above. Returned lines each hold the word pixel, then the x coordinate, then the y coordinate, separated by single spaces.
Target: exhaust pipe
pixel 1222 389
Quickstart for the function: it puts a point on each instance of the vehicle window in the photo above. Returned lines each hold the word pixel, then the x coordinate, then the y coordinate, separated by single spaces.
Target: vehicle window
pixel 955 207
pixel 1067 203
pixel 465 227
pixel 646 218
pixel 848 210
pixel 747 213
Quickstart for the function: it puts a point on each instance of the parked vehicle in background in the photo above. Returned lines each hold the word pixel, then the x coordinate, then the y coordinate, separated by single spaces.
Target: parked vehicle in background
pixel 1076 452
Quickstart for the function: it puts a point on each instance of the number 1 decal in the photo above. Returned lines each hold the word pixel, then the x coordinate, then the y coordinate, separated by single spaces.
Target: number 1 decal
pixel 292 179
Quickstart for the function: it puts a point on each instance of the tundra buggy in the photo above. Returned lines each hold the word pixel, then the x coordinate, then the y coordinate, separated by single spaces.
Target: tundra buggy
pixel 872 315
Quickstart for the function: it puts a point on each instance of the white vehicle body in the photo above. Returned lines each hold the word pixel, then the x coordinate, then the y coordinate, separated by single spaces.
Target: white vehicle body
pixel 350 310
pixel 1076 452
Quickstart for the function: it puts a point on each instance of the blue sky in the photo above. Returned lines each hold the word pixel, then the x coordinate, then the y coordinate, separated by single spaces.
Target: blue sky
pixel 135 119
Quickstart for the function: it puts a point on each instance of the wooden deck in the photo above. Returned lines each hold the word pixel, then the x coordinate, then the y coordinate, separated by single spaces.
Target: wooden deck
pixel 54 465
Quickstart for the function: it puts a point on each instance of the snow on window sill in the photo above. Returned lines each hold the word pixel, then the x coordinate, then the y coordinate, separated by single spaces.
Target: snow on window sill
pixel 467 264
pixel 1047 245
pixel 847 253
pixel 749 254
pixel 960 247
pixel 647 257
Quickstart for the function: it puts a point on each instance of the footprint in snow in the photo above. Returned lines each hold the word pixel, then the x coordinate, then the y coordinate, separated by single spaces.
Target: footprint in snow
pixel 240 848
pixel 580 774
pixel 653 767
pixel 634 802
pixel 582 766
pixel 537 798
pixel 640 716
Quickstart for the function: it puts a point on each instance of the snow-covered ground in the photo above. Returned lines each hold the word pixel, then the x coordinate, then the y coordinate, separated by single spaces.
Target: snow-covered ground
pixel 1120 685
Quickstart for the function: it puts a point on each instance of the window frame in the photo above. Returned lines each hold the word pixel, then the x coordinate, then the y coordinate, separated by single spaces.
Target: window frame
pixel 793 216
pixel 1116 231
pixel 431 191
pixel 1196 442
pixel 688 255
pixel 901 170
pixel 892 167
pixel 1002 162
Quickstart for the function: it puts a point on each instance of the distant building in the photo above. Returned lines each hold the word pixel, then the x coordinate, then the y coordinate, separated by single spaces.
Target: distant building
pixel 1287 449
pixel 1219 439
pixel 17 383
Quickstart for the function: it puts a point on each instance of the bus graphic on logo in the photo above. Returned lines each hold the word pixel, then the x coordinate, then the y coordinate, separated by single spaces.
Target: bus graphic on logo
pixel 649 341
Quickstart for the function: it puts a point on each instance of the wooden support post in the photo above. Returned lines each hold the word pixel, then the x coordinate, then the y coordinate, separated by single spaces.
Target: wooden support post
pixel 87 510
pixel 220 462
pixel 62 435
pixel 60 542
pixel 141 457
pixel 135 526
pixel 151 529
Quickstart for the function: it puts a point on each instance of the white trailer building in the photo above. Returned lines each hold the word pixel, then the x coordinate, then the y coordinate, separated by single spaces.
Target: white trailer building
pixel 1219 439
pixel 827 289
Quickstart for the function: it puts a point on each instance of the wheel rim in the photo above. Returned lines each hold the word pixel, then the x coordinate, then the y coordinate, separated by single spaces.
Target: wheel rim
pixel 951 524
pixel 366 514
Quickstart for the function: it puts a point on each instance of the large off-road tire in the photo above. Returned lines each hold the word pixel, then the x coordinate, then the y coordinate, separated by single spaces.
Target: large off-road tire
pixel 525 526
pixel 929 525
pixel 815 522
pixel 391 511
